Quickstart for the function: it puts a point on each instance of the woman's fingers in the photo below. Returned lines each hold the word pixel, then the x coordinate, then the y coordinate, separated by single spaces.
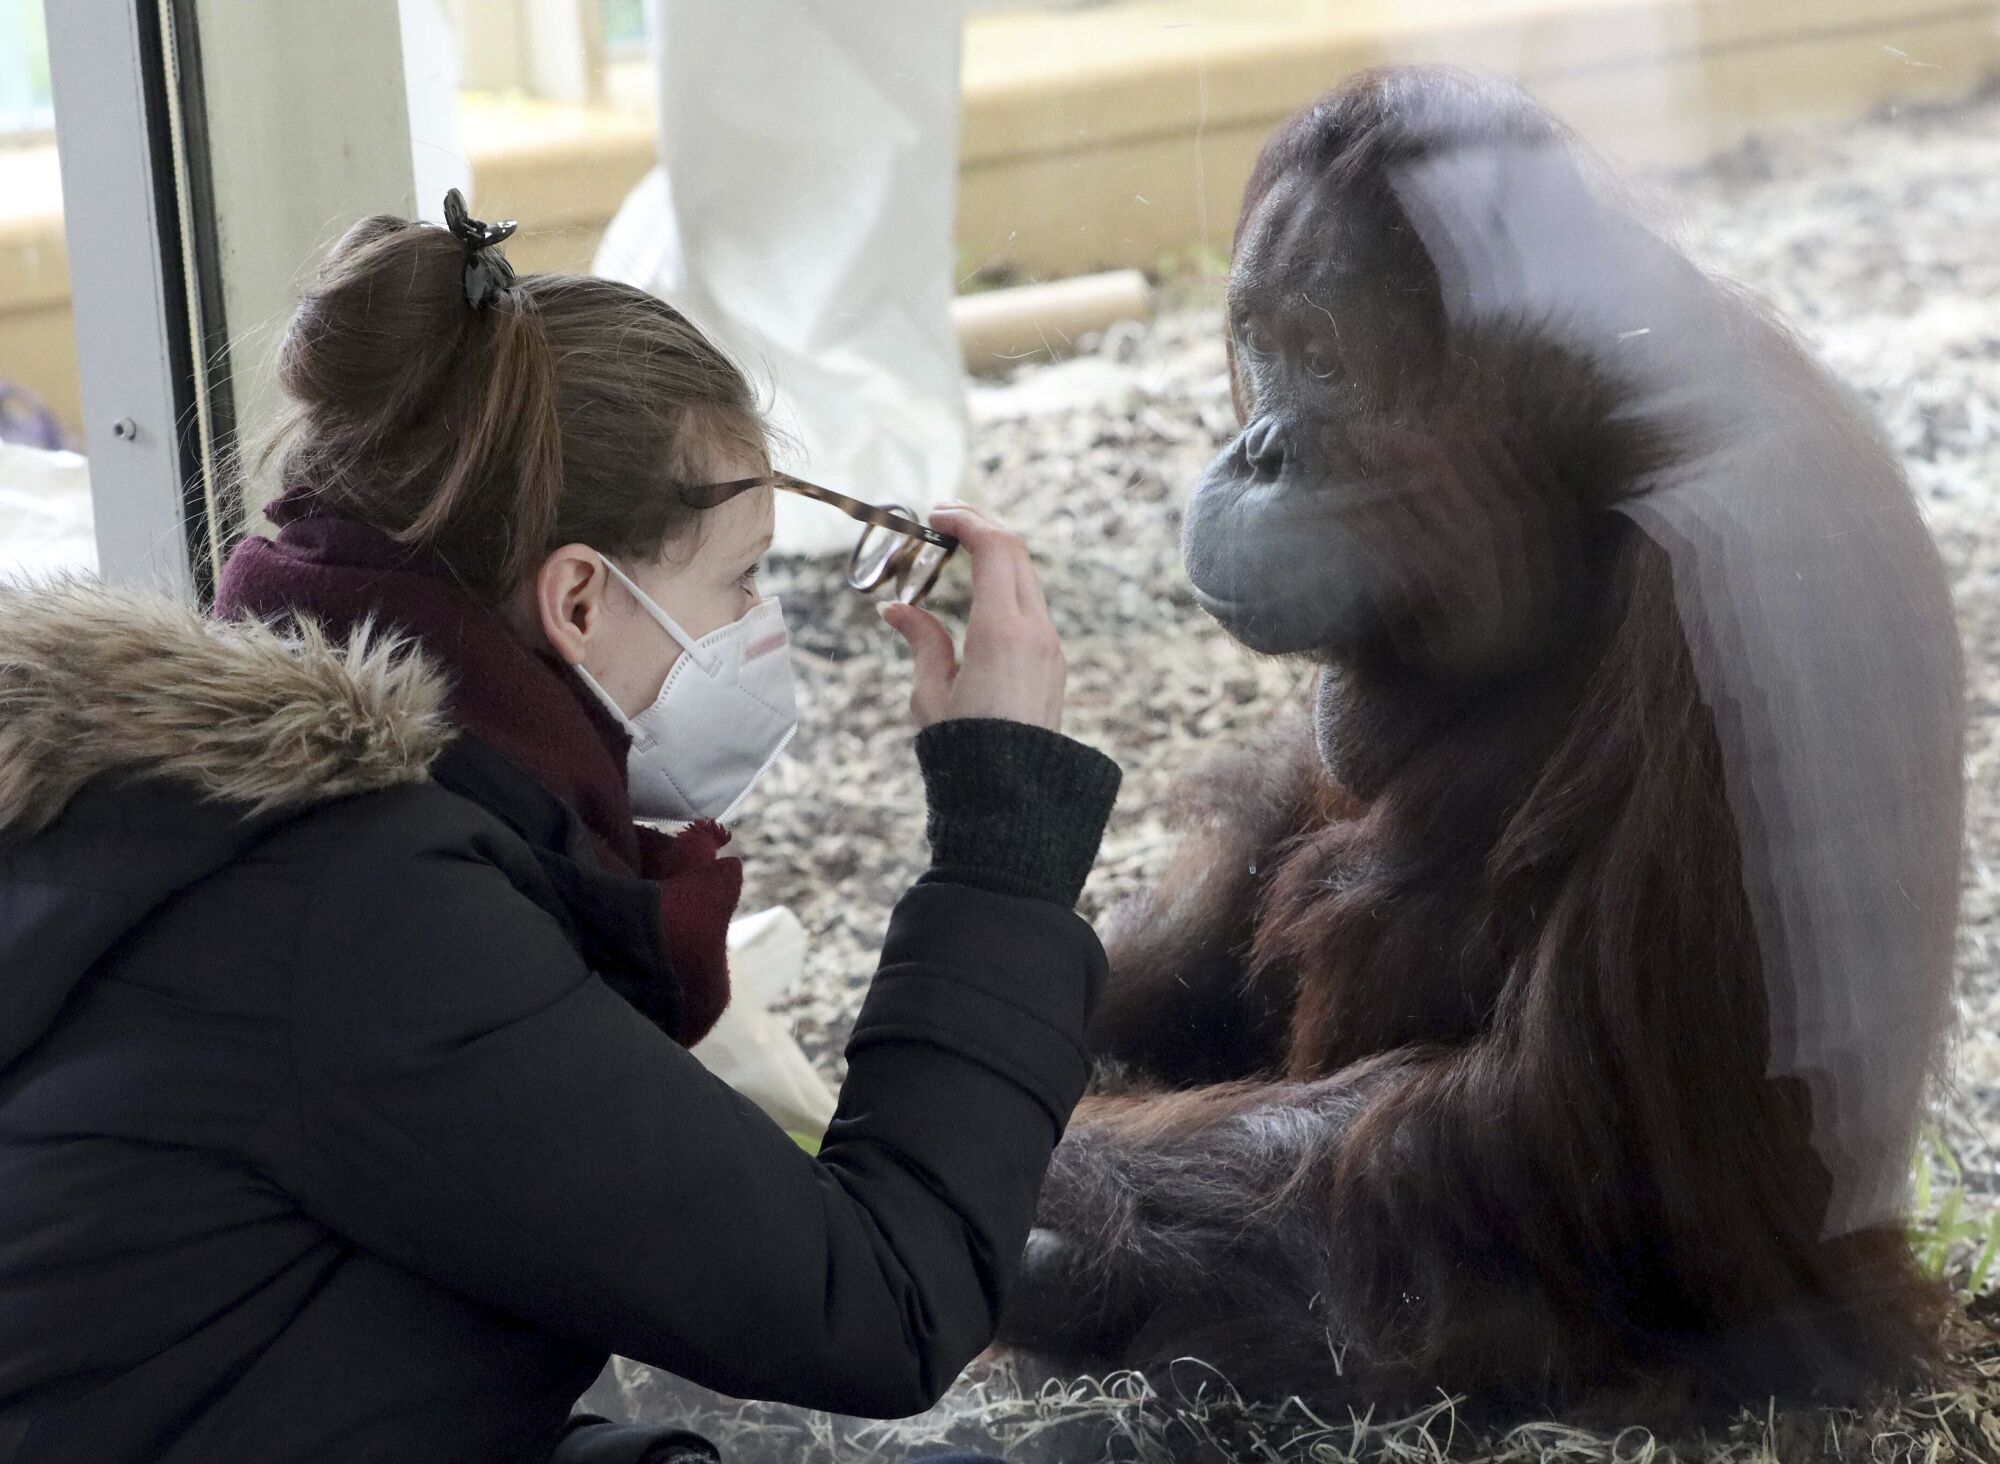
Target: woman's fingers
pixel 1028 587
pixel 999 542
pixel 1012 664
pixel 935 657
pixel 998 555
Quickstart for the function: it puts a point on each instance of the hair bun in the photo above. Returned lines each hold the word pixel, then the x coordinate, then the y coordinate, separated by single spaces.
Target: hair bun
pixel 577 411
pixel 379 326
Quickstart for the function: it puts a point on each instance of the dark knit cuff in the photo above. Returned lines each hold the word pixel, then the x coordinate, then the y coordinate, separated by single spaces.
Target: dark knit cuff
pixel 1019 809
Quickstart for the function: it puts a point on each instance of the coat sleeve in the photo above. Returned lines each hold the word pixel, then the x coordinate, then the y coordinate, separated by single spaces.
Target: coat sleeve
pixel 473 1104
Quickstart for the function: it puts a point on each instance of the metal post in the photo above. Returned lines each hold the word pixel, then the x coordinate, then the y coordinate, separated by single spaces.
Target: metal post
pixel 122 218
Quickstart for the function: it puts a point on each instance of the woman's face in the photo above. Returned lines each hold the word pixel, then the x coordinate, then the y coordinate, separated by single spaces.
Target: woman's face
pixel 704 581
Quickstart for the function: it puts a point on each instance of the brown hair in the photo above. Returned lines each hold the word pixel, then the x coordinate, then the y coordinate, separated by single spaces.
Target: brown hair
pixel 568 410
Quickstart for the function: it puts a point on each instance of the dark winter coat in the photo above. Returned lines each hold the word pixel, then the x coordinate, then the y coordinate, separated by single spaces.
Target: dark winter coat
pixel 323 1135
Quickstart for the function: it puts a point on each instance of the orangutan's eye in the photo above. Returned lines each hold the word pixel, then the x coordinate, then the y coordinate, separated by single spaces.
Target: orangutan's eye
pixel 1321 362
pixel 1253 340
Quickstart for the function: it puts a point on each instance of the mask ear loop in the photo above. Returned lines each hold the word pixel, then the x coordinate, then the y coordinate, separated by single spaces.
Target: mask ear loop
pixel 687 642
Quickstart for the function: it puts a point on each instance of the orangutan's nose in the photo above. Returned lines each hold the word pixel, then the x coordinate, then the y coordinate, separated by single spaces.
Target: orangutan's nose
pixel 1264 447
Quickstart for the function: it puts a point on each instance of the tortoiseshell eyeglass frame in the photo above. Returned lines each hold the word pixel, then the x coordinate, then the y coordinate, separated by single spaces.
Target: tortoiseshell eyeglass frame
pixel 918 554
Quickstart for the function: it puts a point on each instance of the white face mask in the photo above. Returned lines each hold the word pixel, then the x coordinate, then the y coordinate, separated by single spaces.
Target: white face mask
pixel 724 713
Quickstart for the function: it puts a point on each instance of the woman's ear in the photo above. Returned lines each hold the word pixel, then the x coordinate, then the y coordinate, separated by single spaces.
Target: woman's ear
pixel 569 600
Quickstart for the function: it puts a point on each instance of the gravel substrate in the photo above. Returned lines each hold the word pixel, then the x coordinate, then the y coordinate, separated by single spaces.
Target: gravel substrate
pixel 1881 241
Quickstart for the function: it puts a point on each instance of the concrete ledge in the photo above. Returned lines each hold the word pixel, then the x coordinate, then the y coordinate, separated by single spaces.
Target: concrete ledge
pixel 1115 136
pixel 562 170
pixel 1038 84
pixel 1121 136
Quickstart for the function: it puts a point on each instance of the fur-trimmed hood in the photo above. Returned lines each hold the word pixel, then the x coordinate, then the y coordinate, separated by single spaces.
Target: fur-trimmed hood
pixel 96 681
pixel 144 748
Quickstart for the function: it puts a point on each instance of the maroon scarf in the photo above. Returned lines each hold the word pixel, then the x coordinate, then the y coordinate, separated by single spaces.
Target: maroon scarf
pixel 528 707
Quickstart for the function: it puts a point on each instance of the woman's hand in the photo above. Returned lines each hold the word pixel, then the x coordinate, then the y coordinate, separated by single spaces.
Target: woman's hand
pixel 1013 665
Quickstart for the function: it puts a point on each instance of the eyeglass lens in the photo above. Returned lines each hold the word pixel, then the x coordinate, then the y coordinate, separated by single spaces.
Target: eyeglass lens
pixel 921 572
pixel 876 554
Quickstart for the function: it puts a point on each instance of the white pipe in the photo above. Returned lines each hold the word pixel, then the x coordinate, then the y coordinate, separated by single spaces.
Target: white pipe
pixel 1002 328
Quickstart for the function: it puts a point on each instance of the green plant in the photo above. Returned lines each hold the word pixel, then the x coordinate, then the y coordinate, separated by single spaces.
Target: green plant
pixel 1943 1229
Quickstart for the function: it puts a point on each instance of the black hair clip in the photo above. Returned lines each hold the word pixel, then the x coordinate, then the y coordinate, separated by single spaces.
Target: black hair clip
pixel 487 272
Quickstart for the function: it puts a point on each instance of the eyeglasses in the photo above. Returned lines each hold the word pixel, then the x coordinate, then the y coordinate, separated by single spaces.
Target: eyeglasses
pixel 894 547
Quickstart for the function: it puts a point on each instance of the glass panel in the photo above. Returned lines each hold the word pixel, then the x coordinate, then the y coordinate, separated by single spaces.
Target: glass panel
pixel 1551 847
pixel 1832 161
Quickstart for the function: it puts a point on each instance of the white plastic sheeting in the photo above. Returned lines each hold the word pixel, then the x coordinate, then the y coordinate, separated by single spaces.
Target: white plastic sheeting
pixel 751 1049
pixel 45 518
pixel 803 218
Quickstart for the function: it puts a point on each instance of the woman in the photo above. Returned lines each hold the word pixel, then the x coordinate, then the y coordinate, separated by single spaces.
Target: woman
pixel 345 1106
